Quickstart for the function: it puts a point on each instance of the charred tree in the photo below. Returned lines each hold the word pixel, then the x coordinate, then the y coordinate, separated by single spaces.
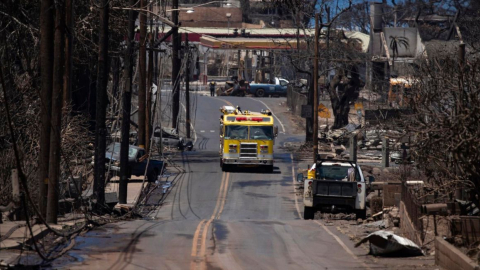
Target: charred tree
pixel 348 83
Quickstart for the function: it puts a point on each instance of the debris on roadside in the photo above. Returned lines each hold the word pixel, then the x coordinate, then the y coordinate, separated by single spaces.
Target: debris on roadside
pixel 468 208
pixel 385 243
pixel 337 216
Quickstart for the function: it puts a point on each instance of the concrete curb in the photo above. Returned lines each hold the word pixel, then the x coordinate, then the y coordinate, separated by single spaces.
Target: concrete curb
pixel 449 257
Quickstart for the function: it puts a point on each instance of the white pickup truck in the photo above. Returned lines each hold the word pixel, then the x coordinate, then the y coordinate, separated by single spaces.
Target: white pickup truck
pixel 338 186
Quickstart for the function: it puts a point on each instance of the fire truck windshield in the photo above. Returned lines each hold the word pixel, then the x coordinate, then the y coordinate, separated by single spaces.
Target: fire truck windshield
pixel 236 132
pixel 252 132
pixel 261 133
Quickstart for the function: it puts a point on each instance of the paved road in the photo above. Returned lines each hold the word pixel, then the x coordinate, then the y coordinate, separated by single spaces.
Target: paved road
pixel 214 220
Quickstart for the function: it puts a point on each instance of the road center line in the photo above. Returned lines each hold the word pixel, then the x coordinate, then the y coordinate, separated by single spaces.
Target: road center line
pixel 195 238
pixel 198 256
pixel 224 199
pixel 339 241
pixel 226 101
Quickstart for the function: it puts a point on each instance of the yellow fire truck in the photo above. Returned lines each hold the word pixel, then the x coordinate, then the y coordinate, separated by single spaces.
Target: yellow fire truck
pixel 246 138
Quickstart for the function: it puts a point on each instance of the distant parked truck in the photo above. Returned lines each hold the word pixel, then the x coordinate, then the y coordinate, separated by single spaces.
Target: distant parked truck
pixel 265 89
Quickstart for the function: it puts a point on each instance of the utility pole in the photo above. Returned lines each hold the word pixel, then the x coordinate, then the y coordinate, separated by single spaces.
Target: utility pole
pixel 142 88
pixel 315 93
pixel 187 87
pixel 57 100
pixel 175 66
pixel 148 112
pixel 155 60
pixel 101 110
pixel 227 54
pixel 46 73
pixel 127 106
pixel 238 66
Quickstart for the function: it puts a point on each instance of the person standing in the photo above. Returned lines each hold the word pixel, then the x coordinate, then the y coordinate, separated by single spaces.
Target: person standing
pixel 212 88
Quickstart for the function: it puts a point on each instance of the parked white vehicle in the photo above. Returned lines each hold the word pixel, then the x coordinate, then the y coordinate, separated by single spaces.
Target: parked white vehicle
pixel 334 186
pixel 169 137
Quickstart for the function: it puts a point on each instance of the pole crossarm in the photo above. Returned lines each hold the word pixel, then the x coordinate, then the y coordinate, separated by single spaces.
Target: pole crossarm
pixel 169 33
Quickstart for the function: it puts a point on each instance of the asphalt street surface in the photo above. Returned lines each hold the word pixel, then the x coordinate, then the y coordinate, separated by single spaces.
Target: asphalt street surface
pixel 244 219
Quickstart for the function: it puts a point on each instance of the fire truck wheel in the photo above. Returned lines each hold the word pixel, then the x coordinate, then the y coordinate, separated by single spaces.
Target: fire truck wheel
pixel 225 168
pixel 308 212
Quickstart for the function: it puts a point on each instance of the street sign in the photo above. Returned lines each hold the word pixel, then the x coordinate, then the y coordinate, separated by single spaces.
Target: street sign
pixel 323 111
pixel 307 111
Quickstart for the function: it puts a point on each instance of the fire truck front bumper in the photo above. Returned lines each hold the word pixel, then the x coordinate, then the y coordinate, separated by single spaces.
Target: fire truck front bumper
pixel 241 161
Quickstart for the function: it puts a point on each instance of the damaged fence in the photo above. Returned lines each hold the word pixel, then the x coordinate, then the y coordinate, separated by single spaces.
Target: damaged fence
pixel 413 209
pixel 468 227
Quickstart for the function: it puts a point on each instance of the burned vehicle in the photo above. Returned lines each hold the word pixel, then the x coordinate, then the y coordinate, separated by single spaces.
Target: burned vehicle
pixel 138 162
pixel 232 89
pixel 168 136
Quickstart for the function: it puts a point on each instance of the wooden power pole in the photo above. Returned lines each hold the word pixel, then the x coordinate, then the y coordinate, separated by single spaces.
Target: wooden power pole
pixel 57 101
pixel 175 66
pixel 101 107
pixel 187 87
pixel 142 88
pixel 126 106
pixel 67 77
pixel 315 93
pixel 148 110
pixel 47 25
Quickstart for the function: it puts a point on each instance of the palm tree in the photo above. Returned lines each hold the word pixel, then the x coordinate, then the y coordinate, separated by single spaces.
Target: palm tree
pixel 395 43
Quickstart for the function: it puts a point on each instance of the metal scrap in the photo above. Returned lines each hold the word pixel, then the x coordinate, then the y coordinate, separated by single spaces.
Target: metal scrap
pixel 385 243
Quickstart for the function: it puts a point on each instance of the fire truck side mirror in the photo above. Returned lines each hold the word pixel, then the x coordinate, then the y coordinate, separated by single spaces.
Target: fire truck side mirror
pixel 275 131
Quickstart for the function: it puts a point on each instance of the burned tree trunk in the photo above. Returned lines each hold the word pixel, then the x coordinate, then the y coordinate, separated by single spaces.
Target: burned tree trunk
pixel 348 83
